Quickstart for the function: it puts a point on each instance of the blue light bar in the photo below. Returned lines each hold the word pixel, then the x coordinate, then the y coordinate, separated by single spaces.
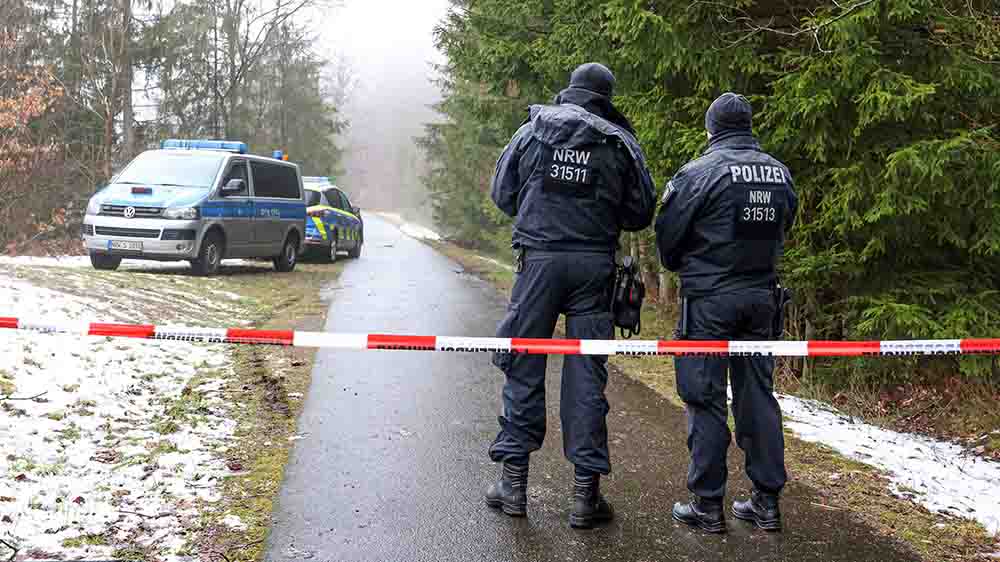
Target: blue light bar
pixel 277 155
pixel 316 179
pixel 185 144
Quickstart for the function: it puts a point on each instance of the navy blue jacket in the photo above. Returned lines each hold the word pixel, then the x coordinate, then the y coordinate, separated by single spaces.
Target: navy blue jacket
pixel 573 181
pixel 724 218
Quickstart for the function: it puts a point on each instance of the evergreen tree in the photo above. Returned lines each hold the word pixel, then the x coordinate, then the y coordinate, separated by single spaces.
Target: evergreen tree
pixel 885 110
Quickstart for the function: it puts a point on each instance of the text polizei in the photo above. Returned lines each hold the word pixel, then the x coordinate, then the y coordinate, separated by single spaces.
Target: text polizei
pixel 757 173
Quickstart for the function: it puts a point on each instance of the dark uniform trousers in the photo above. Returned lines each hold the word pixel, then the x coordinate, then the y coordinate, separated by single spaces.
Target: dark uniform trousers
pixel 576 284
pixel 701 383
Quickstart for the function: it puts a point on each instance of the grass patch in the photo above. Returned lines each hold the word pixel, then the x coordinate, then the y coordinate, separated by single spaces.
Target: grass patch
pixel 69 433
pixel 21 465
pixel 500 276
pixel 848 485
pixel 262 378
pixel 7 386
pixel 86 540
pixel 843 484
pixel 133 553
pixel 166 427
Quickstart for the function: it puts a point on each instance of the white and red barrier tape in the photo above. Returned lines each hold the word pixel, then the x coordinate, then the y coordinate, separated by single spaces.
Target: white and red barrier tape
pixel 512 345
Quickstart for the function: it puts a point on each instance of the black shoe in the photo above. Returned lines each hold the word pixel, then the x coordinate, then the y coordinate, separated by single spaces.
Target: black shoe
pixel 589 506
pixel 761 509
pixel 510 494
pixel 704 514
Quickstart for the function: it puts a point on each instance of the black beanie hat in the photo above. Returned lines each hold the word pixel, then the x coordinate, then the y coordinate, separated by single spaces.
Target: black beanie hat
pixel 595 77
pixel 729 112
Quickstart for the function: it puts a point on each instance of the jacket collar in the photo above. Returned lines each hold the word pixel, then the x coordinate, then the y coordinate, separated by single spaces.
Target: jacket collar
pixel 732 139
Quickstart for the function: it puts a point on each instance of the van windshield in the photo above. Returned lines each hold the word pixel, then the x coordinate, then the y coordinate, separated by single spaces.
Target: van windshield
pixel 173 167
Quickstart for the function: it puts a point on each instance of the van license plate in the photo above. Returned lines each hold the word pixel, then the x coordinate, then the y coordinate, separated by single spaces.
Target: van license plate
pixel 125 245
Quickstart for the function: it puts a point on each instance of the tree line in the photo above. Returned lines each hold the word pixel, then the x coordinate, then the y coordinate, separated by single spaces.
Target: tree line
pixel 886 111
pixel 87 84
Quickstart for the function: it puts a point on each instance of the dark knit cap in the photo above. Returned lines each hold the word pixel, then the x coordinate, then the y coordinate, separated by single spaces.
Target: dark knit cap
pixel 730 112
pixel 594 77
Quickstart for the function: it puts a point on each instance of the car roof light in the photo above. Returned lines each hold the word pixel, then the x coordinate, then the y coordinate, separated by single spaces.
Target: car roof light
pixel 189 144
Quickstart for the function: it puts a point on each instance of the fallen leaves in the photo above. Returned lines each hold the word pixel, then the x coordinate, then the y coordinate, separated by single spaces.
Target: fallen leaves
pixel 106 456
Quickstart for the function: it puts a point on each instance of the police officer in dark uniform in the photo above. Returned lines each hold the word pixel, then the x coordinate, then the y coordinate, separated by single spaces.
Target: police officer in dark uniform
pixel 722 227
pixel 573 177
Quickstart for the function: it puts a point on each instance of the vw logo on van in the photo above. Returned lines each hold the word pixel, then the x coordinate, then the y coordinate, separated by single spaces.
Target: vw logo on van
pixel 129 212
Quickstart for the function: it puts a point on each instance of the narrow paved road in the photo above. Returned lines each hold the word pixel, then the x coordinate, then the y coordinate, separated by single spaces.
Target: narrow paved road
pixel 393 463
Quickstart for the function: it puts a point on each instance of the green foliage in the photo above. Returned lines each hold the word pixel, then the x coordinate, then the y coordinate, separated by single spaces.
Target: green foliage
pixel 886 111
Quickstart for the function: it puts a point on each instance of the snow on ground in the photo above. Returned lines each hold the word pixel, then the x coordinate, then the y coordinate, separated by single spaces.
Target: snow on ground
pixel 941 476
pixel 408 228
pixel 122 440
pixel 496 263
pixel 84 261
pixel 419 232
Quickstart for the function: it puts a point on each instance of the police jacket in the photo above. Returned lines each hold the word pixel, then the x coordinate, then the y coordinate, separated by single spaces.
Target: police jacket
pixel 724 218
pixel 573 181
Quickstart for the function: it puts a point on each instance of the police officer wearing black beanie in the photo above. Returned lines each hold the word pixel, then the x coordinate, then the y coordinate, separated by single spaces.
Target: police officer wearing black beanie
pixel 722 227
pixel 573 178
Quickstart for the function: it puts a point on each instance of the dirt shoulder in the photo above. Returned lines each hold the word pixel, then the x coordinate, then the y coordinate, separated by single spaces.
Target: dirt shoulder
pixel 844 485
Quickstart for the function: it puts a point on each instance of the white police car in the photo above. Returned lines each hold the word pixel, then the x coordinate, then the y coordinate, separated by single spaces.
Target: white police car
pixel 201 201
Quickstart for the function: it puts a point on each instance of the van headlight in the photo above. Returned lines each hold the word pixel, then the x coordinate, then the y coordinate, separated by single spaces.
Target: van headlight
pixel 94 207
pixel 181 213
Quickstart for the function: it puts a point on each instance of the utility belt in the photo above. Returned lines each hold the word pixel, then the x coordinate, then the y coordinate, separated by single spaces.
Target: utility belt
pixel 627 291
pixel 782 298
pixel 520 251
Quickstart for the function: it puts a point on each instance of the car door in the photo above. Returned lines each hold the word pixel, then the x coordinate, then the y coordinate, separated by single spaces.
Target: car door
pixel 356 222
pixel 238 210
pixel 321 221
pixel 267 227
pixel 344 225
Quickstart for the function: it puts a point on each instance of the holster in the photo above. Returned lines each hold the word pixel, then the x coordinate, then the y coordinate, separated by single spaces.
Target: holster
pixel 518 257
pixel 627 296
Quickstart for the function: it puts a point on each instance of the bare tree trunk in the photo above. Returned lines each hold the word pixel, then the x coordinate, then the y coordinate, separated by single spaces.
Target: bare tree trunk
pixel 74 41
pixel 647 268
pixel 217 105
pixel 128 117
pixel 807 361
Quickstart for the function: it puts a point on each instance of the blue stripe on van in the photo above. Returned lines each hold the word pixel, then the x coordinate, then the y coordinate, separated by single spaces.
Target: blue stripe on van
pixel 289 210
pixel 225 209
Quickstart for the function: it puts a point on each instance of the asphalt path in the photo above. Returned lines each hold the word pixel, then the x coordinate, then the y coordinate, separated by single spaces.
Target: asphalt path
pixel 393 463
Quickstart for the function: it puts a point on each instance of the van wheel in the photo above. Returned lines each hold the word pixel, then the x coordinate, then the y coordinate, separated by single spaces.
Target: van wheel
pixel 289 255
pixel 334 248
pixel 209 257
pixel 104 262
pixel 355 252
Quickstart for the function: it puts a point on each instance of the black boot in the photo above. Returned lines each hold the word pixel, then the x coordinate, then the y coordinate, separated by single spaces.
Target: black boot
pixel 702 513
pixel 510 494
pixel 589 506
pixel 761 509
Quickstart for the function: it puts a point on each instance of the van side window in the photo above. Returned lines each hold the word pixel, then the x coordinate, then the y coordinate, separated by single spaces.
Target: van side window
pixel 238 170
pixel 274 180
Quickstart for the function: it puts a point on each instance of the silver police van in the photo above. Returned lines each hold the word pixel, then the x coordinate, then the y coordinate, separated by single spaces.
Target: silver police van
pixel 201 201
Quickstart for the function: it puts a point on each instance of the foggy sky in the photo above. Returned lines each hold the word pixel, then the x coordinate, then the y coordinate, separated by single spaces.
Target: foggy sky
pixel 389 44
